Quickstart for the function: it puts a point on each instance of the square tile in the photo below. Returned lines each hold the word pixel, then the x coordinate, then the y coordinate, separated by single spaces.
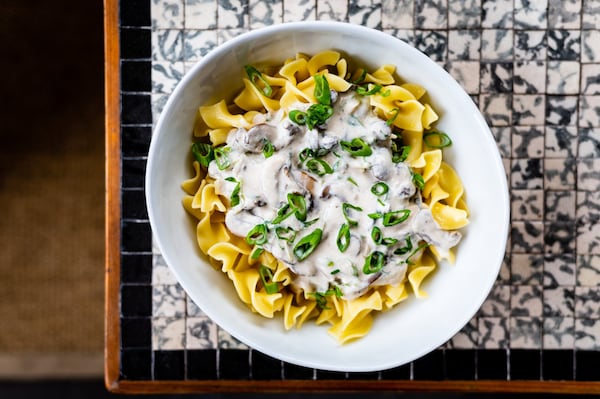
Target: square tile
pixel 559 301
pixel 528 142
pixel 167 14
pixel 167 45
pixel 590 17
pixel 560 173
pixel 168 301
pixel 497 14
pixel 166 75
pixel 466 74
pixel 530 45
pixel 588 270
pixel 559 270
pixel 564 14
pixel 560 206
pixel 526 269
pixel 497 45
pixel 526 301
pixel 464 14
pixel 564 45
pixel 525 333
pixel 496 109
pixel 397 14
pixel 558 332
pixel 588 175
pixel 198 43
pixel 561 110
pixel 365 12
pixel 588 334
pixel 563 77
pixel 527 204
pixel 590 78
pixel 531 15
pixel 431 14
pixel 332 10
pixel 561 141
pixel 200 14
pixel 464 45
pixel 496 77
pixel 497 303
pixel 529 77
pixel 232 14
pixel 300 10
pixel 168 333
pixel 201 333
pixel 590 46
pixel 527 173
pixel 503 137
pixel 433 43
pixel 528 109
pixel 587 302
pixel 527 237
pixel 588 238
pixel 265 13
pixel 589 111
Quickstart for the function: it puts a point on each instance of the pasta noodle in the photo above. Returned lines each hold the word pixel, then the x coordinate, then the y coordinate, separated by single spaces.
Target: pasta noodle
pixel 268 284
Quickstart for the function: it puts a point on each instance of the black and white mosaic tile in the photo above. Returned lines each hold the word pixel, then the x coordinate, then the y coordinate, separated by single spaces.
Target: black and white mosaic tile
pixel 533 68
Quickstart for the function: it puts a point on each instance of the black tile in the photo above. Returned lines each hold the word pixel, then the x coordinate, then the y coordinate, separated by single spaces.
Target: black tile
pixel 492 364
pixel 525 364
pixel 136 332
pixel 460 364
pixel 134 12
pixel 136 301
pixel 430 366
pixel 135 43
pixel 136 109
pixel 133 173
pixel 133 204
pixel 397 373
pixel 202 364
pixel 564 44
pixel 587 366
pixel 374 375
pixel 136 76
pixel 136 364
pixel 135 140
pixel 169 365
pixel 234 364
pixel 136 269
pixel 265 367
pixel 136 236
pixel 557 365
pixel 295 372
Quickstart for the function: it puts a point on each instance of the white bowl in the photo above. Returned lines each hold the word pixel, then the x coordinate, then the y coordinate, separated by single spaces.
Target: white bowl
pixel 416 326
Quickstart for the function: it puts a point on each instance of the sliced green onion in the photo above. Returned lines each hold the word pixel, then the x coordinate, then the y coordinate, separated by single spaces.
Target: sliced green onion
pixel 257 235
pixel 235 194
pixel 437 139
pixel 310 222
pixel 386 93
pixel 377 235
pixel 390 121
pixel 317 114
pixel 321 299
pixel 343 238
pixel 400 154
pixel 268 148
pixel 307 244
pixel 266 277
pixel 298 117
pixel 322 93
pixel 418 180
pixel 285 233
pixel 346 208
pixel 388 241
pixel 406 249
pixel 319 167
pixel 254 75
pixel 420 247
pixel 222 157
pixel 364 92
pixel 336 271
pixel 203 152
pixel 305 154
pixel 375 215
pixel 256 252
pixel 357 147
pixel 283 213
pixel 395 217
pixel 374 262
pixel 361 78
pixel 380 188
pixel 298 204
pixel 351 180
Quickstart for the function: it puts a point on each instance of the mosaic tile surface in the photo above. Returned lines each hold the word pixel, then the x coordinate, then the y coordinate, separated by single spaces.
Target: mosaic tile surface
pixel 533 68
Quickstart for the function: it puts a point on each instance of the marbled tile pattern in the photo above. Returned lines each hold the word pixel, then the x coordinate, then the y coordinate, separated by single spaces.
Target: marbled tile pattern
pixel 533 67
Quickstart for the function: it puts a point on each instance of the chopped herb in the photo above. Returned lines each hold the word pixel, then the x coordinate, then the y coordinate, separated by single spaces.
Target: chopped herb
pixel 257 235
pixel 395 217
pixel 256 252
pixel 268 148
pixel 336 271
pixel 298 117
pixel 351 180
pixel 255 76
pixel 377 235
pixel 317 114
pixel 390 121
pixel 343 237
pixel 283 213
pixel 235 194
pixel 364 92
pixel 322 93
pixel 307 244
pixel 319 167
pixel 406 249
pixel 418 180
pixel 285 233
pixel 266 277
pixel 379 189
pixel 298 204
pixel 346 209
pixel 375 215
pixel 374 262
pixel 437 139
pixel 222 157
pixel 357 147
pixel 203 153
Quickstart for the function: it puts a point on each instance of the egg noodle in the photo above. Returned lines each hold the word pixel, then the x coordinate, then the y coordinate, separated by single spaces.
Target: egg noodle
pixel 302 93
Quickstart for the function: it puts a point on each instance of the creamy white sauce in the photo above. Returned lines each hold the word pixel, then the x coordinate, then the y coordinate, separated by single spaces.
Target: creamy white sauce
pixel 266 182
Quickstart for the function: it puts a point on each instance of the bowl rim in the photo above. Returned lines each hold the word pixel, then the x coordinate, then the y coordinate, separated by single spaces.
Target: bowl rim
pixel 333 26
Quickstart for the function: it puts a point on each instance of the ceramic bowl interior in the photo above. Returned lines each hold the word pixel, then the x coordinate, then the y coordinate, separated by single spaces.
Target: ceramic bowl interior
pixel 416 326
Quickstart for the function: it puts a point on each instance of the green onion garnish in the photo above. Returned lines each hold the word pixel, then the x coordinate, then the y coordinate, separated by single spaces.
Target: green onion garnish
pixel 361 78
pixel 437 139
pixel 285 233
pixel 357 147
pixel 222 157
pixel 375 215
pixel 343 238
pixel 256 252
pixel 388 241
pixel 400 154
pixel 395 217
pixel 346 208
pixel 420 247
pixel 321 92
pixel 374 262
pixel 283 213
pixel 336 271
pixel 390 121
pixel 307 244
pixel 317 114
pixel 203 153
pixel 298 204
pixel 268 148
pixel 235 194
pixel 364 92
pixel 379 189
pixel 266 276
pixel 319 167
pixel 298 117
pixel 418 180
pixel 305 154
pixel 377 235
pixel 351 180
pixel 257 235
pixel 254 75
pixel 406 249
